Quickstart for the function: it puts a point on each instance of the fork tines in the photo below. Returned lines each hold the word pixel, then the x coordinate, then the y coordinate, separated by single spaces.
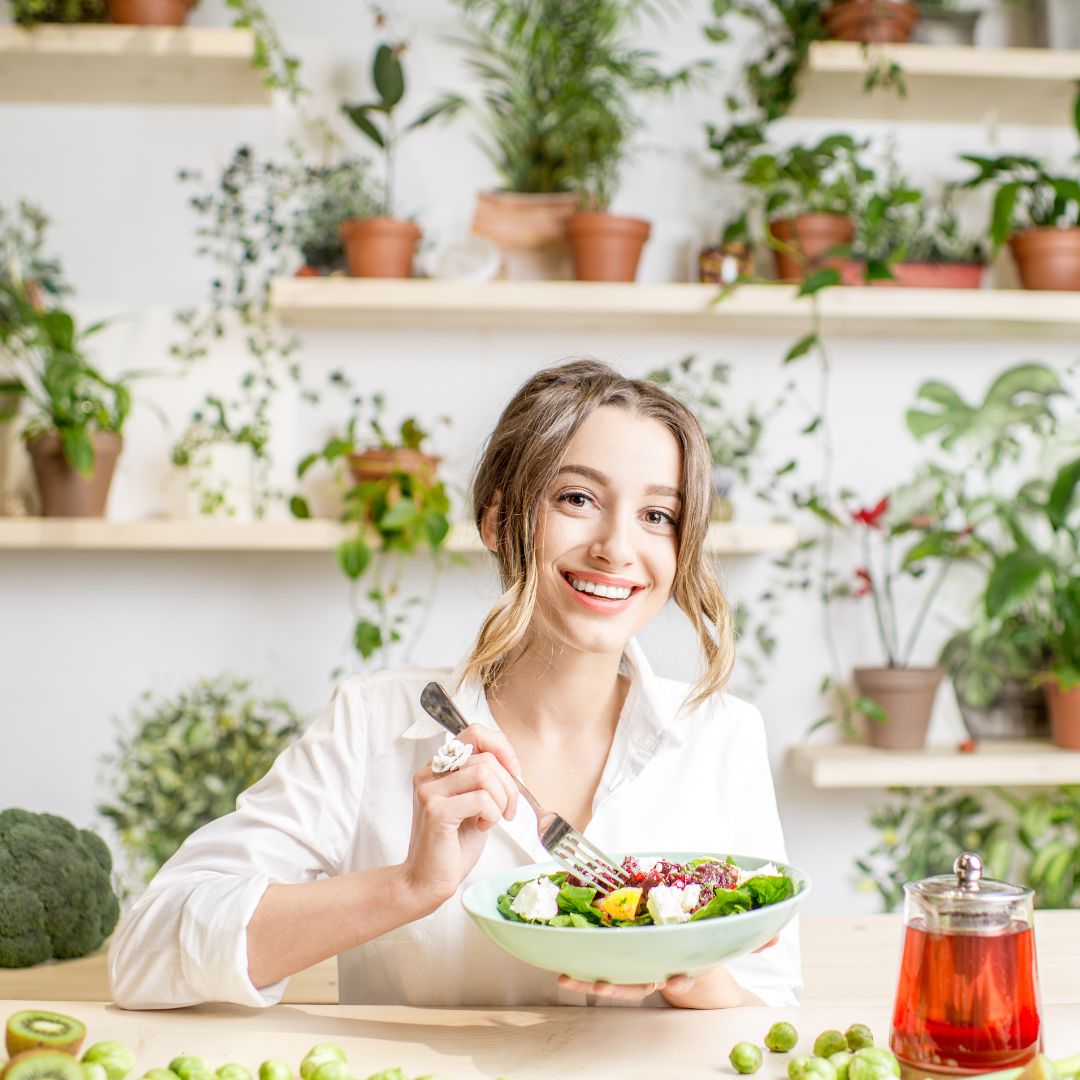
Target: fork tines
pixel 589 863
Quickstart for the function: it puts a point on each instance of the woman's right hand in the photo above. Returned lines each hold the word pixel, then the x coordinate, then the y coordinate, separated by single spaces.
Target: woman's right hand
pixel 452 813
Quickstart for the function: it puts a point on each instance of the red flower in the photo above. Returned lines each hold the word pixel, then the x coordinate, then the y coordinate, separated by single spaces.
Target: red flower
pixel 866 582
pixel 872 518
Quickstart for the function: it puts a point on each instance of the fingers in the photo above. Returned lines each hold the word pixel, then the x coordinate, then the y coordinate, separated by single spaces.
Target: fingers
pixel 768 944
pixel 489 741
pixel 482 772
pixel 623 992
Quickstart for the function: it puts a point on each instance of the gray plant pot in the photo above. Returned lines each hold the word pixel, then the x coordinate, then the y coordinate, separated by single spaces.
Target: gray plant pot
pixel 937 26
pixel 1020 713
pixel 1056 23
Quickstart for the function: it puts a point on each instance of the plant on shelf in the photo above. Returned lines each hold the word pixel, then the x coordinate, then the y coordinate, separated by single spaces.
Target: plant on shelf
pixel 809 195
pixel 31 12
pixel 396 505
pixel 1037 212
pixel 558 81
pixel 181 762
pixel 731 258
pixel 1033 840
pixel 75 414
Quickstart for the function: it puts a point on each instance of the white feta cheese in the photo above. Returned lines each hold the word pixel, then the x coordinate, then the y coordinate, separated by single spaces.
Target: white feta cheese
pixel 690 896
pixel 665 905
pixel 646 865
pixel 768 870
pixel 537 900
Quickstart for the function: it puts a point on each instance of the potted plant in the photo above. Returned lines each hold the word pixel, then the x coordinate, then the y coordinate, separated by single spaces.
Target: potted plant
pixel 1038 213
pixel 150 12
pixel 554 76
pixel 1043 577
pixel 945 22
pixel 383 245
pixel 396 504
pixel 731 258
pixel 871 21
pixel 76 414
pixel 29 13
pixel 182 760
pixel 809 194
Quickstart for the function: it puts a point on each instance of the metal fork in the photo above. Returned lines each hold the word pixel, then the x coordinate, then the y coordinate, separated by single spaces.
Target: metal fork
pixel 560 839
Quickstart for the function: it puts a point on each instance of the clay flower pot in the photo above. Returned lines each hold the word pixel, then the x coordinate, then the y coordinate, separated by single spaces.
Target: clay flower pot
pixel 871 21
pixel 65 492
pixel 1064 708
pixel 379 247
pixel 529 230
pixel 381 464
pixel 1048 258
pixel 812 234
pixel 918 275
pixel 606 247
pixel 150 12
pixel 906 695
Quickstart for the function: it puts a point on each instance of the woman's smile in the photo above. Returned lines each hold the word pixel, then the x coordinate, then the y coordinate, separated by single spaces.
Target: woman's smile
pixel 601 593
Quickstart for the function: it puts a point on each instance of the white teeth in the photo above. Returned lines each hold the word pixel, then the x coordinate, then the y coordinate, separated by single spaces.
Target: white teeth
pixel 608 592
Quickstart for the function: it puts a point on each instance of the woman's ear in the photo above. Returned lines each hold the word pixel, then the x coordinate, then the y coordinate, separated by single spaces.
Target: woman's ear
pixel 489 522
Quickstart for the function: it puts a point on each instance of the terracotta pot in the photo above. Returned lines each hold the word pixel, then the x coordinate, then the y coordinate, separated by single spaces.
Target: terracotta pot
pixel 813 235
pixel 382 464
pixel 724 264
pixel 606 247
pixel 65 492
pixel 379 247
pixel 1018 713
pixel 529 230
pixel 149 12
pixel 1064 708
pixel 1047 258
pixel 871 21
pixel 920 275
pixel 907 697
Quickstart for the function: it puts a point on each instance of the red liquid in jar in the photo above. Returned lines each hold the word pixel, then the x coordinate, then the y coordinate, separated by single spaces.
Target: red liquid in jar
pixel 967 1002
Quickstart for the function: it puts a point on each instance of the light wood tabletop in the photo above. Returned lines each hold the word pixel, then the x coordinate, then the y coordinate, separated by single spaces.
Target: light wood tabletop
pixel 846 958
pixel 461 1044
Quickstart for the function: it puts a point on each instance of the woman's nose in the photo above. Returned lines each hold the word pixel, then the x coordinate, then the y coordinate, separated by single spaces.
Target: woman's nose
pixel 612 543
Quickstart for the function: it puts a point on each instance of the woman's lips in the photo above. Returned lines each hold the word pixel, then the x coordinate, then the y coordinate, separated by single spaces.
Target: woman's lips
pixel 599 604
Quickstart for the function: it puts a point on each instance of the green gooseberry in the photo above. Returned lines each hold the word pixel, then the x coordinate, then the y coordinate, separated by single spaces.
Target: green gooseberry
pixel 745 1057
pixel 93 1071
pixel 781 1037
pixel 829 1042
pixel 840 1062
pixel 160 1074
pixel 331 1070
pixel 873 1063
pixel 275 1070
pixel 811 1068
pixel 858 1037
pixel 190 1067
pixel 319 1053
pixel 114 1057
pixel 234 1072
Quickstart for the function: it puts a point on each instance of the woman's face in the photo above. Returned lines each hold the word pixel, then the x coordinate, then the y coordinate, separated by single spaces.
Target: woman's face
pixel 606 538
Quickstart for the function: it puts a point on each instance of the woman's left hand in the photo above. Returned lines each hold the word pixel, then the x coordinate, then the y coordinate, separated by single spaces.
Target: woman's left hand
pixel 678 984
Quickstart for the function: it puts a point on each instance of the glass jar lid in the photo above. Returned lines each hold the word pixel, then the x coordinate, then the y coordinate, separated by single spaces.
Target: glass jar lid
pixel 967 900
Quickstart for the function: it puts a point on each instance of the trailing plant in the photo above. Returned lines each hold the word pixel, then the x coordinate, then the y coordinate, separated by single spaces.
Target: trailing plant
pixel 24 262
pixel 1033 840
pixel 388 78
pixel 31 12
pixel 280 70
pixel 335 193
pixel 1027 194
pixel 986 656
pixel 558 82
pixel 181 762
pixel 394 515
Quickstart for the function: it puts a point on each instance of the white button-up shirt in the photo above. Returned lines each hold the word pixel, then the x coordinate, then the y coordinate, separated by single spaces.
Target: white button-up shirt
pixel 340 799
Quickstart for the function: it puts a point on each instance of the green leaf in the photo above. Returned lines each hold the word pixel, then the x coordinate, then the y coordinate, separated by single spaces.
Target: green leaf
pixel 801 348
pixel 78 449
pixel 768 889
pixel 1001 220
pixel 358 115
pixel 388 76
pixel 306 462
pixel 402 514
pixel 1013 578
pixel 869 708
pixel 1062 493
pixel 818 280
pixel 353 556
pixel 367 638
pixel 725 902
pixel 574 898
pixel 299 507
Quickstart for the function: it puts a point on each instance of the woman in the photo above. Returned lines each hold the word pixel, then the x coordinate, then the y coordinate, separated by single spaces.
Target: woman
pixel 589 480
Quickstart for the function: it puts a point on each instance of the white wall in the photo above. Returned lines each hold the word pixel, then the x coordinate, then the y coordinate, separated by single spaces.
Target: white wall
pixel 83 635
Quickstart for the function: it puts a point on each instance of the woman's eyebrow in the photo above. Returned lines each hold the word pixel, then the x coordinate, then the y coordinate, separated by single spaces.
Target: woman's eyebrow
pixel 600 478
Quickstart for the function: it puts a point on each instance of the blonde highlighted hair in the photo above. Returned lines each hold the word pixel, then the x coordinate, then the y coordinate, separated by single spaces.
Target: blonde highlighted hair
pixel 521 462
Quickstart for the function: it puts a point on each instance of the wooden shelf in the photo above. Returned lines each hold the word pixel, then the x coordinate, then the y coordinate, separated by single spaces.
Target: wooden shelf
pixel 1012 763
pixel 891 313
pixel 184 535
pixel 957 84
pixel 129 65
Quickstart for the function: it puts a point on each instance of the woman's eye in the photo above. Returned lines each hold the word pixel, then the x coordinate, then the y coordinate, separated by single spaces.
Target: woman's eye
pixel 660 517
pixel 576 499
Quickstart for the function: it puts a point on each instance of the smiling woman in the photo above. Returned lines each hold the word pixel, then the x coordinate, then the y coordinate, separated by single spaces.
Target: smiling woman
pixel 593 494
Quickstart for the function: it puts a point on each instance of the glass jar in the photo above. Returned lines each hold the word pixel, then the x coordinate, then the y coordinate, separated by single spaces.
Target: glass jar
pixel 968 994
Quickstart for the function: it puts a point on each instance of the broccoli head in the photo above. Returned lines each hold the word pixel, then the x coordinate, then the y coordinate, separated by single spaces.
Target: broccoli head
pixel 56 897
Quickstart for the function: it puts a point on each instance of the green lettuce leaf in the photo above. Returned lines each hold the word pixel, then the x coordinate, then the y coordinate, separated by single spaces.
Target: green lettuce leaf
pixel 578 899
pixel 725 902
pixel 766 889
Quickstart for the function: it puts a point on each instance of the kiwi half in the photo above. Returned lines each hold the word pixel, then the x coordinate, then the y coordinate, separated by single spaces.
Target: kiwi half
pixel 43 1065
pixel 33 1028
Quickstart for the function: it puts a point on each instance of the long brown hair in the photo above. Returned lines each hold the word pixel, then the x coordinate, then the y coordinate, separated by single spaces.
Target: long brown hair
pixel 520 463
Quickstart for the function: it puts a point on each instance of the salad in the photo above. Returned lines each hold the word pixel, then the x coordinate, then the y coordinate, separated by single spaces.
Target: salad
pixel 664 893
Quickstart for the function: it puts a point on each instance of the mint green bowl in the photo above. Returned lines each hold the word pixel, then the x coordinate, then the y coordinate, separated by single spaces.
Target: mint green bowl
pixel 632 954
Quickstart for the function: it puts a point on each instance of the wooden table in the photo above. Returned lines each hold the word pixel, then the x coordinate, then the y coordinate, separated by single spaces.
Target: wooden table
pixel 846 958
pixel 456 1044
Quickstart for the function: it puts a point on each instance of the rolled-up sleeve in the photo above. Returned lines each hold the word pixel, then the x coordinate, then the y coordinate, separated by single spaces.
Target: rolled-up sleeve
pixel 184 941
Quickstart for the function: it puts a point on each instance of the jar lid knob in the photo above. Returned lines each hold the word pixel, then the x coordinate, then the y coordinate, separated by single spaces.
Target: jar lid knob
pixel 968 868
